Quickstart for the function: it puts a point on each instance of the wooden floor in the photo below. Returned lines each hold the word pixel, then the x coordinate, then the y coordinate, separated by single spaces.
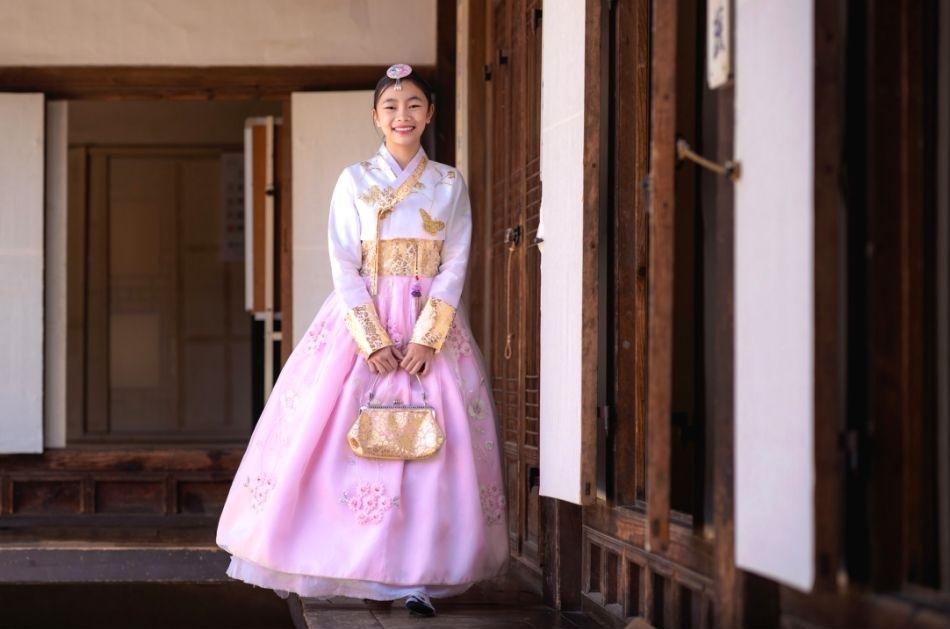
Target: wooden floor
pixel 141 606
pixel 91 598
pixel 500 603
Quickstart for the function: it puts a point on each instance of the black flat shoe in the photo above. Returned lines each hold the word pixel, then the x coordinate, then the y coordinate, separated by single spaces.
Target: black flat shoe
pixel 420 604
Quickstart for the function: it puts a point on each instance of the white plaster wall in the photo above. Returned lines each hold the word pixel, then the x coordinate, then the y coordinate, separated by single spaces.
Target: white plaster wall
pixel 320 152
pixel 217 32
pixel 774 291
pixel 562 174
pixel 21 273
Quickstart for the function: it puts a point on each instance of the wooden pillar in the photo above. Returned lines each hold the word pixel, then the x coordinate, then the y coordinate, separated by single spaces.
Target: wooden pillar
pixel 561 561
pixel 285 237
pixel 446 29
pixel 660 318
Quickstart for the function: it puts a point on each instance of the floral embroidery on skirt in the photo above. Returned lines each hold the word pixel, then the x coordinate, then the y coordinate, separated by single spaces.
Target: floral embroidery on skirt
pixel 493 504
pixel 369 502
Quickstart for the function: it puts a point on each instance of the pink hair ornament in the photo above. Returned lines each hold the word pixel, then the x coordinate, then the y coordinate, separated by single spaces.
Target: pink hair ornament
pixel 399 71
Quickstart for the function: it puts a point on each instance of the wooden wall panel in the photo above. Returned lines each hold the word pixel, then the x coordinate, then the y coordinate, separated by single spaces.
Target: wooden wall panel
pixel 129 496
pixel 90 494
pixel 201 496
pixel 48 497
pixel 623 582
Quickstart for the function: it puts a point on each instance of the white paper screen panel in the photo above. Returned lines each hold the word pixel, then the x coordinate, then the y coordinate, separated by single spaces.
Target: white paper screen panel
pixel 774 319
pixel 21 272
pixel 562 213
pixel 331 130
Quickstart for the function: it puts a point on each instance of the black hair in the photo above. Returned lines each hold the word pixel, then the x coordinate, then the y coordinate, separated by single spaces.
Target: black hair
pixel 412 77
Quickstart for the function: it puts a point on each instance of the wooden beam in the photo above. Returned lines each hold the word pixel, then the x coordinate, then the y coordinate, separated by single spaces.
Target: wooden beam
pixel 917 495
pixel 630 138
pixel 446 30
pixel 189 83
pixel 883 283
pixel 285 238
pixel 561 535
pixel 126 460
pixel 478 107
pixel 660 317
pixel 719 338
pixel 595 149
pixel 77 230
pixel 829 285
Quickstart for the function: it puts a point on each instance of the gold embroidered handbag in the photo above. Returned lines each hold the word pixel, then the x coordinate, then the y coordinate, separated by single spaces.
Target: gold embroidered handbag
pixel 397 430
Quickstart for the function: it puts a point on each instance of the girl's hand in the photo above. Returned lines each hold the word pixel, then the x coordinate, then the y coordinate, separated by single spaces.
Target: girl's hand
pixel 417 359
pixel 384 360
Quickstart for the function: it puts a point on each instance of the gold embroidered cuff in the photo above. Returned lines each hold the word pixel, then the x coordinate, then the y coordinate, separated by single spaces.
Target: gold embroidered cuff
pixel 433 323
pixel 366 329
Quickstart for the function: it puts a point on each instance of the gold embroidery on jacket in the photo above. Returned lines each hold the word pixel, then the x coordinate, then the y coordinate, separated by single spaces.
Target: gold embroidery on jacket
pixel 446 178
pixel 430 224
pixel 366 329
pixel 384 200
pixel 403 256
pixel 433 323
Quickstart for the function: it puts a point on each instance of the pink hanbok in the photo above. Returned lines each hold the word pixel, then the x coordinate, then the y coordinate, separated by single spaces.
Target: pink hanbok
pixel 307 515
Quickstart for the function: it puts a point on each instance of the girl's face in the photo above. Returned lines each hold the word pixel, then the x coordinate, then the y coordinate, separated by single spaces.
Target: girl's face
pixel 403 114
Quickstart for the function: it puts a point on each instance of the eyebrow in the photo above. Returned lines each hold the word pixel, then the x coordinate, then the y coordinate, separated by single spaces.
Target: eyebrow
pixel 393 100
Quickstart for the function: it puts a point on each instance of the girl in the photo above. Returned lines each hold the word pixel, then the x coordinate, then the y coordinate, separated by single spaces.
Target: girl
pixel 305 513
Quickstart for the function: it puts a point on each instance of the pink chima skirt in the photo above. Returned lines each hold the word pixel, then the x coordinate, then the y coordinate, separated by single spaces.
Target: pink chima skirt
pixel 305 514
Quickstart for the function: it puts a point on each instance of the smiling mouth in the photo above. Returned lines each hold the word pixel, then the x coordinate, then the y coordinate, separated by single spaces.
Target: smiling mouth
pixel 409 129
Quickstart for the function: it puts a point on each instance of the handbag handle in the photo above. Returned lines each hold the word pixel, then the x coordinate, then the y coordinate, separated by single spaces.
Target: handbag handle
pixel 372 389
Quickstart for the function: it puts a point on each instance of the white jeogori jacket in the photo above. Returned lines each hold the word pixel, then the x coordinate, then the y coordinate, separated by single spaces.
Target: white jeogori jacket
pixel 385 220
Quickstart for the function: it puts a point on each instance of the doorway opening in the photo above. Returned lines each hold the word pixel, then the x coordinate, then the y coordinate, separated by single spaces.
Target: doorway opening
pixel 155 258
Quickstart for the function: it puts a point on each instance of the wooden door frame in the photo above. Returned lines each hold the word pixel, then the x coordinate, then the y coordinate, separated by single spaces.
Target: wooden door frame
pixel 516 453
pixel 89 318
pixel 619 528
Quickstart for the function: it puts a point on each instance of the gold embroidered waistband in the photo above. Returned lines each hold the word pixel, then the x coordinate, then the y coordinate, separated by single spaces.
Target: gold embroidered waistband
pixel 403 256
